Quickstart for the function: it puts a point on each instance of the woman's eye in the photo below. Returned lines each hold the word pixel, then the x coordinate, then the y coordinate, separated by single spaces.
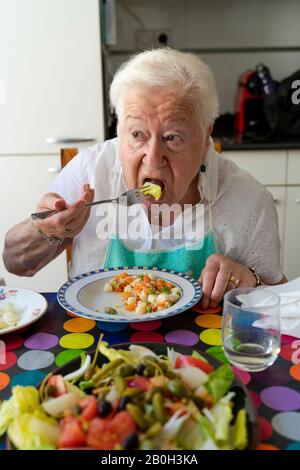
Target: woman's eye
pixel 137 134
pixel 173 138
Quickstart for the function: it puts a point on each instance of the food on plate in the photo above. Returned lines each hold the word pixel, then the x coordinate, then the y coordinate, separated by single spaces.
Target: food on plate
pixel 143 293
pixel 9 316
pixel 151 189
pixel 135 400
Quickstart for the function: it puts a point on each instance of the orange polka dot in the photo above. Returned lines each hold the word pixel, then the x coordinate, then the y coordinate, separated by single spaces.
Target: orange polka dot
pixel 4 380
pixel 209 321
pixel 266 447
pixel 295 371
pixel 79 325
pixel 199 309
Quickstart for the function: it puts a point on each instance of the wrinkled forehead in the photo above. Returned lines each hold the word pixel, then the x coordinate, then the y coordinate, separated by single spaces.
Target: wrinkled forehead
pixel 150 104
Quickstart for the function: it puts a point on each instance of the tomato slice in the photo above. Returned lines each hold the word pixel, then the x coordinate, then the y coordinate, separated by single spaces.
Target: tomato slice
pixel 57 381
pixel 104 434
pixel 89 407
pixel 184 361
pixel 139 382
pixel 71 434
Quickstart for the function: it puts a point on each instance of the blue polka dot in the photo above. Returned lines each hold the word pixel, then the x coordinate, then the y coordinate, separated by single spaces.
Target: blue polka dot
pixel 30 377
pixel 116 338
pixel 293 446
pixel 110 326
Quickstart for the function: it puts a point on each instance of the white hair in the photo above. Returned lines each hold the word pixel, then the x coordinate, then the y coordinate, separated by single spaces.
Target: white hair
pixel 180 73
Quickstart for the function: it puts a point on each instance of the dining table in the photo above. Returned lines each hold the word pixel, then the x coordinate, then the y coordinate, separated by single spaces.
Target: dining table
pixel 60 336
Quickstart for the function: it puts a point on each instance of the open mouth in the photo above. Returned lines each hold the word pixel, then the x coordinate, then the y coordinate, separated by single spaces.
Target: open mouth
pixel 154 181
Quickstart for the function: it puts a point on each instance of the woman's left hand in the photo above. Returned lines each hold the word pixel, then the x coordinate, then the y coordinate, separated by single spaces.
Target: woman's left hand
pixel 215 279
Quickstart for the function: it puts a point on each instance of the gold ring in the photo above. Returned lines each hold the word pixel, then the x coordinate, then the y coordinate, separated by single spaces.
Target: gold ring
pixel 235 281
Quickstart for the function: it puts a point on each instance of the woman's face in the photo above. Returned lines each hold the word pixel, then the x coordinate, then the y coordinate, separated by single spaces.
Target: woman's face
pixel 160 140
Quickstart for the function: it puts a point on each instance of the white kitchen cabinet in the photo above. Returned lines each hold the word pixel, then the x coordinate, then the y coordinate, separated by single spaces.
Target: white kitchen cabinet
pixel 267 166
pixel 50 68
pixel 293 167
pixel 24 179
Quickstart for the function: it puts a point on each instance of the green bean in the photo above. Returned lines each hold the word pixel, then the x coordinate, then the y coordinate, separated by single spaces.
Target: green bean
pixel 137 415
pixel 158 407
pixel 178 389
pixel 132 391
pixel 120 384
pixel 126 370
pixel 106 370
pixel 147 444
pixel 154 430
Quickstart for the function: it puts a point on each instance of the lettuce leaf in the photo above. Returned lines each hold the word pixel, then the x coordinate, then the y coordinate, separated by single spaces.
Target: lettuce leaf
pixel 219 382
pixel 23 400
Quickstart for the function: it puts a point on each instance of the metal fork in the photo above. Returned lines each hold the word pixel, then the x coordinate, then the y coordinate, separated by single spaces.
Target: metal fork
pixel 131 197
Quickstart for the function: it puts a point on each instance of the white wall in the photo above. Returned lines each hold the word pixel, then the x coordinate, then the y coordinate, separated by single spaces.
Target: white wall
pixel 207 24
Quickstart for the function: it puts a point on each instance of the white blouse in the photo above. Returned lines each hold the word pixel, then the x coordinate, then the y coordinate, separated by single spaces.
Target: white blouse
pixel 243 214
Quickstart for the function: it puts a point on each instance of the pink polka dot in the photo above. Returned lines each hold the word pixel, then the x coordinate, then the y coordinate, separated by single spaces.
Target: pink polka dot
pixel 185 337
pixel 146 325
pixel 147 336
pixel 10 360
pixel 288 339
pixel 244 376
pixel 255 398
pixel 265 428
pixel 287 352
pixel 12 342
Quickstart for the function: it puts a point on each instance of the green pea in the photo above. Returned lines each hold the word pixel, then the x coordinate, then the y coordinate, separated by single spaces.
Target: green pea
pixel 110 311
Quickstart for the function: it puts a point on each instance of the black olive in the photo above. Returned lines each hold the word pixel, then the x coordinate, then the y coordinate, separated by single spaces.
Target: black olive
pixel 131 441
pixel 104 408
pixel 140 368
pixel 123 402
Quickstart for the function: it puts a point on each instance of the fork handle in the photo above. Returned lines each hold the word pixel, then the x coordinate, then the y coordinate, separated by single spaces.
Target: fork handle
pixel 46 214
pixel 43 215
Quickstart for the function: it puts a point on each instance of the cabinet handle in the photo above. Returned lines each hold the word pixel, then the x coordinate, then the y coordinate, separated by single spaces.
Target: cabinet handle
pixel 276 200
pixel 53 169
pixel 69 140
pixel 297 200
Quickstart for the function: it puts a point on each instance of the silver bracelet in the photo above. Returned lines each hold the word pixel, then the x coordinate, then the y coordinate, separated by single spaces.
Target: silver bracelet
pixel 52 240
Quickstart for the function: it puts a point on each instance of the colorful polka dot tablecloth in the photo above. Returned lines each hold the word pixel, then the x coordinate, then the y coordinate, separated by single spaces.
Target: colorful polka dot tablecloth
pixel 60 337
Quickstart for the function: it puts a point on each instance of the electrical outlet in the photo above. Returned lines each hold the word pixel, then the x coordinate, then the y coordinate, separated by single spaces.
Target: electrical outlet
pixel 149 38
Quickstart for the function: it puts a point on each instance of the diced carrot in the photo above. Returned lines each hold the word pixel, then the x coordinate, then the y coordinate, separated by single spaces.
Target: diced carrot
pixel 126 295
pixel 130 308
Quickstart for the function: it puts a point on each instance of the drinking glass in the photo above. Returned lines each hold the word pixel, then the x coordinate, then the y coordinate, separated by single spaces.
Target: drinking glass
pixel 251 328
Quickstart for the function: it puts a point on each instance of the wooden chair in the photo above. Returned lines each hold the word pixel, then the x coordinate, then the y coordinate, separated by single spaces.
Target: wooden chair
pixel 66 156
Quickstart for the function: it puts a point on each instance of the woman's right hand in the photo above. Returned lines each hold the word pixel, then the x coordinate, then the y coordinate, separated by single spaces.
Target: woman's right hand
pixel 70 219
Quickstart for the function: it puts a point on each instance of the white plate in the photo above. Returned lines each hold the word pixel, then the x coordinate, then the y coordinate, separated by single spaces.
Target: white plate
pixel 84 294
pixel 29 304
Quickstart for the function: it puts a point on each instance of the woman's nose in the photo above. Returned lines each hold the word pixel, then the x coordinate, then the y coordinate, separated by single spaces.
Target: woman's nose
pixel 154 155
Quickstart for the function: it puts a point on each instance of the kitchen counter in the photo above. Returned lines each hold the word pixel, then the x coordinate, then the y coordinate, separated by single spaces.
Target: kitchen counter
pixel 229 144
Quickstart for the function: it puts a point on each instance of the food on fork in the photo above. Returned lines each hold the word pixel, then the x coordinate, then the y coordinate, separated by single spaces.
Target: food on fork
pixel 151 189
pixel 143 293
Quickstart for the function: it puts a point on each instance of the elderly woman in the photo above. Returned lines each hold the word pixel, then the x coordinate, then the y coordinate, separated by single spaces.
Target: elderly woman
pixel 166 104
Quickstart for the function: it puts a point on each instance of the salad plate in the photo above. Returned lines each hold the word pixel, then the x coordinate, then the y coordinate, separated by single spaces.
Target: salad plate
pixel 88 295
pixel 19 308
pixel 147 396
